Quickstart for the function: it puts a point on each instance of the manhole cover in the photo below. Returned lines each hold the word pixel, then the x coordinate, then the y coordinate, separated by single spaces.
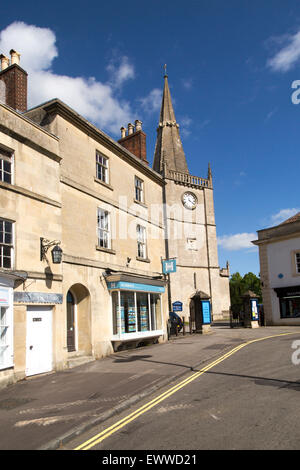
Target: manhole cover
pixel 11 403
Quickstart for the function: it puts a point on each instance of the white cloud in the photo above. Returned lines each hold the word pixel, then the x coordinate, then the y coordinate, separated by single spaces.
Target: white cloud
pixel 205 123
pixel 239 241
pixel 288 55
pixel 283 215
pixel 121 71
pixel 187 83
pixel 185 123
pixel 152 102
pixel 93 99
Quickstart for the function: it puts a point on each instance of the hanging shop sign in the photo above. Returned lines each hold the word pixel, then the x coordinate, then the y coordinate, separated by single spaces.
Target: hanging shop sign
pixel 169 266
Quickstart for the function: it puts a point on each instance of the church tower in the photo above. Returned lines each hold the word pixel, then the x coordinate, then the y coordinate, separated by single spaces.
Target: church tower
pixel 190 229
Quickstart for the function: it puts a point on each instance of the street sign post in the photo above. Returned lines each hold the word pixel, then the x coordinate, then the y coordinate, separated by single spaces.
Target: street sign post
pixel 177 306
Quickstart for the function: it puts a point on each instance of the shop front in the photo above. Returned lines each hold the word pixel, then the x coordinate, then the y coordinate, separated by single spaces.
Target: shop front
pixel 289 301
pixel 137 313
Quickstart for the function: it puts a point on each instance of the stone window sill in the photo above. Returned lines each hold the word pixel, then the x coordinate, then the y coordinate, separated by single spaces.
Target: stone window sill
pixel 140 203
pixel 106 250
pixel 145 260
pixel 106 185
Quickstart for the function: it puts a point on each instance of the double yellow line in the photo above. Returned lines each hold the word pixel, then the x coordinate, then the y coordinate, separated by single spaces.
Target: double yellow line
pixel 143 409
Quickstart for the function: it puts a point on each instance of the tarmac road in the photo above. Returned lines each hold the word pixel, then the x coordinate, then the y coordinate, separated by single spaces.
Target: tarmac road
pixel 47 412
pixel 247 400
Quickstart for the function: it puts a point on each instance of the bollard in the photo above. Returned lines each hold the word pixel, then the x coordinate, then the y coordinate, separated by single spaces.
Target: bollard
pixel 183 328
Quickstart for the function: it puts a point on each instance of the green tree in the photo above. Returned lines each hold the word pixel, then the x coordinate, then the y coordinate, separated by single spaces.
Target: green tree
pixel 239 285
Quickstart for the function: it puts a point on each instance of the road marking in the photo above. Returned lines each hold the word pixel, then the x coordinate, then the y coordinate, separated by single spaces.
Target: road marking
pixel 143 409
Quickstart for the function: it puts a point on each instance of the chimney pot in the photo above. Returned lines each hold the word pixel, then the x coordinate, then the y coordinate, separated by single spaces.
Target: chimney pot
pixel 138 125
pixel 15 57
pixel 123 132
pixel 4 62
pixel 130 128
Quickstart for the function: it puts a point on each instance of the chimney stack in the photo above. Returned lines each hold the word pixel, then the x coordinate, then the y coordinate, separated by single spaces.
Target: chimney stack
pixel 4 62
pixel 14 57
pixel 14 82
pixel 130 129
pixel 135 140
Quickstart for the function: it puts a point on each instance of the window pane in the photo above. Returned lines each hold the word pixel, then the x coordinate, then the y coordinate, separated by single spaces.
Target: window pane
pixel 102 168
pixel 7 178
pixel 5 171
pixel 127 312
pixel 142 311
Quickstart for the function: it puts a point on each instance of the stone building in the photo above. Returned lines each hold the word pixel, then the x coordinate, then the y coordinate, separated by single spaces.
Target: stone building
pixel 189 223
pixel 70 191
pixel 64 183
pixel 279 257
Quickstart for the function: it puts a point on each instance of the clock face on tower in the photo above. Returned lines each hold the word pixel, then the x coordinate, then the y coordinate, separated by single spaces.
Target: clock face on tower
pixel 189 200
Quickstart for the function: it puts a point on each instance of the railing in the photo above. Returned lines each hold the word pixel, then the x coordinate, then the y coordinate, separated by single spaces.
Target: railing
pixel 188 180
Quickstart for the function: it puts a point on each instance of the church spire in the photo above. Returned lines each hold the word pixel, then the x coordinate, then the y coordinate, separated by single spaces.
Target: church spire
pixel 168 149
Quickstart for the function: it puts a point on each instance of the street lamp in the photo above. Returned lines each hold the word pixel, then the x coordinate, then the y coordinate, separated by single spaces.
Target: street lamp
pixel 56 252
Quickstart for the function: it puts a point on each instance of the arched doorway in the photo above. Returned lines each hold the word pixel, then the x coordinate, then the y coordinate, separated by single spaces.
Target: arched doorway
pixel 78 320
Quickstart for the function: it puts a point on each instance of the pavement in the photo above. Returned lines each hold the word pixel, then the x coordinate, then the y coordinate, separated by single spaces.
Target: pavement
pixel 46 411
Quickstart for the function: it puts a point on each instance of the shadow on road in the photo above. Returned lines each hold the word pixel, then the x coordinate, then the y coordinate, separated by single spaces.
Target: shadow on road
pixel 263 380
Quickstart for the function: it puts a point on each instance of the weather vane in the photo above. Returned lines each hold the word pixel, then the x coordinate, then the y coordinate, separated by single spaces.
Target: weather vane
pixel 165 67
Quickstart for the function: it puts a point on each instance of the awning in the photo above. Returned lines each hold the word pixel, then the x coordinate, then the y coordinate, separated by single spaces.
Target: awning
pixel 126 281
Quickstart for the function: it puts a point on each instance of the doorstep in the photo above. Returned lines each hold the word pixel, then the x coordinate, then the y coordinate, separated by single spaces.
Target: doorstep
pixel 75 361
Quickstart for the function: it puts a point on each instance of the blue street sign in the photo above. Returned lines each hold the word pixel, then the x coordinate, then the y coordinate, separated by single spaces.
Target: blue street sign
pixel 177 306
pixel 169 266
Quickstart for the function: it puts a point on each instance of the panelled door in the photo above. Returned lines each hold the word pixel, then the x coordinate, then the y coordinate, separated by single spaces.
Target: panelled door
pixel 39 340
pixel 71 322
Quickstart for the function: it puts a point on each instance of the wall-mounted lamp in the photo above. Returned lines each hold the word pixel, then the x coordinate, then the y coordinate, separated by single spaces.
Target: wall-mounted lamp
pixel 56 252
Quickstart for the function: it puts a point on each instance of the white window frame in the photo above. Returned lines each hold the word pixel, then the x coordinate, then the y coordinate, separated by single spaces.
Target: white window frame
pixel 297 262
pixel 106 229
pixel 138 189
pixel 151 311
pixel 4 244
pixel 141 241
pixel 6 331
pixel 6 156
pixel 102 168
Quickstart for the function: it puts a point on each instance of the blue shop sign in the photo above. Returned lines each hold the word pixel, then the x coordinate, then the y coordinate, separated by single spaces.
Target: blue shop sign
pixel 169 266
pixel 177 306
pixel 135 286
pixel 206 312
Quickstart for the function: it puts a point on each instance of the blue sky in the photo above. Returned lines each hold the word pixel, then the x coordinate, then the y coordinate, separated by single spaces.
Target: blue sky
pixel 231 66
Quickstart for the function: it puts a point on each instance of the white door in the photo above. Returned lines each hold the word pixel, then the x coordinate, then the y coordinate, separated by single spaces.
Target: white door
pixel 39 340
